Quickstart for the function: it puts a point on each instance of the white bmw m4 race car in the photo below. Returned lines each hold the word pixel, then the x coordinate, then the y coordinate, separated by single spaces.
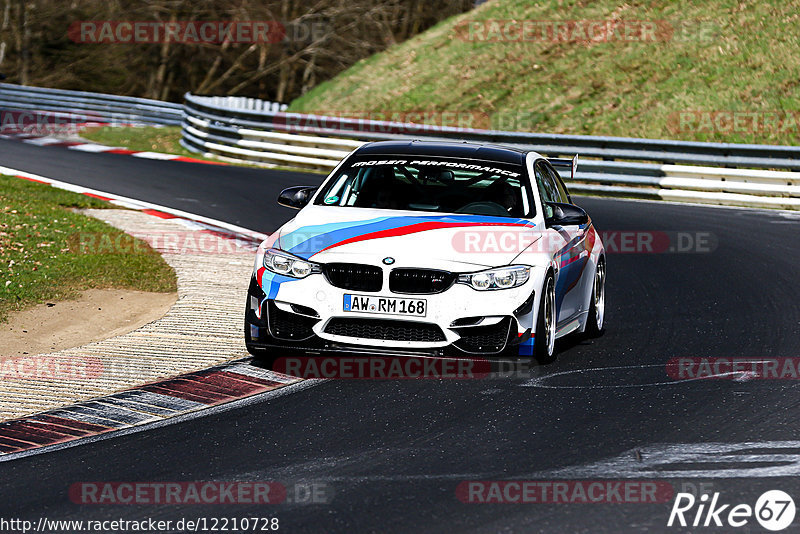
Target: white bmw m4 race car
pixel 423 248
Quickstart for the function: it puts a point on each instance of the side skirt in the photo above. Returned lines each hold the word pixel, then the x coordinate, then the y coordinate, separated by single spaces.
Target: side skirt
pixel 577 322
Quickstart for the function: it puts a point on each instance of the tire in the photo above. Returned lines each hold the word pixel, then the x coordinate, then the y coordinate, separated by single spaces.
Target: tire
pixel 595 322
pixel 544 342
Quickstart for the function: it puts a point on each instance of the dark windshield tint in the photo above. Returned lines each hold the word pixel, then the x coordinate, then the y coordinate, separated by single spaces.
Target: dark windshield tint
pixel 428 184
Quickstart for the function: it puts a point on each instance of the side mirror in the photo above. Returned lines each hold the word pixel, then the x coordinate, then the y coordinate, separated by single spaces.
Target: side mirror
pixel 296 197
pixel 565 215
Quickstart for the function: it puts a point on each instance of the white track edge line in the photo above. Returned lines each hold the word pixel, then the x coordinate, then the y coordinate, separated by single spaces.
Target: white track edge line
pixel 139 203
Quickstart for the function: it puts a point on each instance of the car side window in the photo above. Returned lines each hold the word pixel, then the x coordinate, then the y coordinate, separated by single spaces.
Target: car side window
pixel 546 189
pixel 559 185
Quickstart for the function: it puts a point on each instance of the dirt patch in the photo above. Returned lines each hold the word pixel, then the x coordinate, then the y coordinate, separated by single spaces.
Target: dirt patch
pixel 96 315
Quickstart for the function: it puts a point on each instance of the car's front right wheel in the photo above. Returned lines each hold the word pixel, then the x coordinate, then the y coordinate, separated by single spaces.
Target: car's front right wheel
pixel 597 307
pixel 544 343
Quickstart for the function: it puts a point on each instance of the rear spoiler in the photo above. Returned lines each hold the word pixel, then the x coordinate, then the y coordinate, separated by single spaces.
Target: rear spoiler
pixel 572 163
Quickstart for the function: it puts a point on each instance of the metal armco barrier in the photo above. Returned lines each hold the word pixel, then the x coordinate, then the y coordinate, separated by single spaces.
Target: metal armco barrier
pixel 253 131
pixel 80 106
pixel 712 173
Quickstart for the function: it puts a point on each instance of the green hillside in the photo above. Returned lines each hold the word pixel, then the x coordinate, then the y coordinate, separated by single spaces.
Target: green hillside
pixel 725 70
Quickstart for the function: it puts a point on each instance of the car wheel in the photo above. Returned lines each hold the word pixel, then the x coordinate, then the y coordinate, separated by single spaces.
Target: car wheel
pixel 545 340
pixel 597 306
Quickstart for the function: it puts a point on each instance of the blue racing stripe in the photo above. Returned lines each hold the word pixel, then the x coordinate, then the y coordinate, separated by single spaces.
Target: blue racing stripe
pixel 271 282
pixel 309 240
pixel 526 347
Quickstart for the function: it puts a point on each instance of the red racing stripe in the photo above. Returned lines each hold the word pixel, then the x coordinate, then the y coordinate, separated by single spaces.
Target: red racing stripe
pixel 18 435
pixel 190 391
pixel 228 386
pixel 172 392
pixel 88 428
pixel 33 180
pixel 159 214
pixel 68 143
pixel 74 432
pixel 252 379
pixel 98 196
pixel 8 446
pixel 196 160
pixel 40 432
pixel 237 384
pixel 413 229
pixel 260 277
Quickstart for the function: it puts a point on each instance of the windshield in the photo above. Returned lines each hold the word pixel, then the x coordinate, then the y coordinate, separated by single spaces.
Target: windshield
pixel 431 184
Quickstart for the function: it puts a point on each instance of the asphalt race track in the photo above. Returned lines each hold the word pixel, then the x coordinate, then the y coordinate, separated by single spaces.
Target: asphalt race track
pixel 392 453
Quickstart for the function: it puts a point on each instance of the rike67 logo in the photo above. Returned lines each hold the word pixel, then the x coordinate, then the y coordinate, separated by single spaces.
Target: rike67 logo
pixel 774 510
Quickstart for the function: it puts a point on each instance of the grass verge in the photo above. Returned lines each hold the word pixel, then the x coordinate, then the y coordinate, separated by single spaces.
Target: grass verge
pixel 713 71
pixel 164 139
pixel 38 235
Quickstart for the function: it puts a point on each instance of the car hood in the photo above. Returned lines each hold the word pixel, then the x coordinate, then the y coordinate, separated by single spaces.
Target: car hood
pixel 445 241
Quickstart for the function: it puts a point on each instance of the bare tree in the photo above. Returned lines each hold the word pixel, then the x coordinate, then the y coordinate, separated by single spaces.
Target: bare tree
pixel 323 37
pixel 23 36
pixel 4 26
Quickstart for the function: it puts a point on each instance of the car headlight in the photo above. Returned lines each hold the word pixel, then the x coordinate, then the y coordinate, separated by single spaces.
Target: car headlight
pixel 500 278
pixel 280 262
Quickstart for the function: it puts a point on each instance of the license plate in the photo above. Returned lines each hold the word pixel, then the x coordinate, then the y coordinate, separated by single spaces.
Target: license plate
pixel 385 305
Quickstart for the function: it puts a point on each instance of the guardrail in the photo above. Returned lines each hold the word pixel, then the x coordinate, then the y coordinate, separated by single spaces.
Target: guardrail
pixel 258 132
pixel 716 173
pixel 81 106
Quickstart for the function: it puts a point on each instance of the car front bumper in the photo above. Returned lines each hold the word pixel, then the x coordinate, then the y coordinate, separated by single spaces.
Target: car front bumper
pixel 309 314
